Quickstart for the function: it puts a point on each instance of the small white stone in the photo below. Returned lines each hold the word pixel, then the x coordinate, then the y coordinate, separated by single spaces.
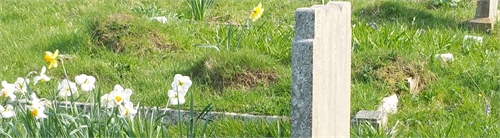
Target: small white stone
pixel 445 57
pixel 477 38
pixel 389 104
pixel 161 19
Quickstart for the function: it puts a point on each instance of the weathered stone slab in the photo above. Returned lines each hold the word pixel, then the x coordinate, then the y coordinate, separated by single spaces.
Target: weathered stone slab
pixel 377 119
pixel 321 69
pixel 169 116
pixel 485 17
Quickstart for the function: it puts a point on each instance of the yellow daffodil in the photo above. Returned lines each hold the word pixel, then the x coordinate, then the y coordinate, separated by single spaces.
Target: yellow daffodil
pixel 257 12
pixel 51 58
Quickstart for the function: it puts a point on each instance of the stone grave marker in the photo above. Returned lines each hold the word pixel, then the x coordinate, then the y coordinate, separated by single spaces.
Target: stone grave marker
pixel 377 119
pixel 485 17
pixel 321 71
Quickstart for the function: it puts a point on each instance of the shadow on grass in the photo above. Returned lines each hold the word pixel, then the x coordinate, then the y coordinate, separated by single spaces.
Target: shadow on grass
pixel 69 42
pixel 406 13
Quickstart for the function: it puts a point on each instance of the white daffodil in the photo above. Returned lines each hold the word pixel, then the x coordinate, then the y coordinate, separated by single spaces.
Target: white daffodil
pixel 8 91
pixel 37 107
pixel 21 85
pixel 66 88
pixel 85 82
pixel 37 102
pixel 37 111
pixel 107 100
pixel 7 111
pixel 181 83
pixel 118 88
pixel 121 95
pixel 42 77
pixel 5 84
pixel 176 98
pixel 127 110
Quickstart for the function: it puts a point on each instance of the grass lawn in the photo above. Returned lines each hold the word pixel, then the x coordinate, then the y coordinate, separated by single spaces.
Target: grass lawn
pixel 244 66
pixel 402 43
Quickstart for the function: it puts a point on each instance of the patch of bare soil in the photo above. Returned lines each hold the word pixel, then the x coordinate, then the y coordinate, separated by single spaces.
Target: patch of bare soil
pixel 244 78
pixel 405 76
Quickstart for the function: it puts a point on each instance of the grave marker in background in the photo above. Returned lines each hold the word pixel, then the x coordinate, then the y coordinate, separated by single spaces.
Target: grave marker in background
pixel 321 71
pixel 485 17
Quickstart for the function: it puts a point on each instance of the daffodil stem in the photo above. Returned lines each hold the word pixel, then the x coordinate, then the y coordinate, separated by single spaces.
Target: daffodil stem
pixel 179 116
pixel 166 106
pixel 73 106
pixel 64 69
pixel 241 33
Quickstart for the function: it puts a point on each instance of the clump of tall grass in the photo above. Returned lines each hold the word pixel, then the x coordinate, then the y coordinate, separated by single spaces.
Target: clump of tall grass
pixel 199 8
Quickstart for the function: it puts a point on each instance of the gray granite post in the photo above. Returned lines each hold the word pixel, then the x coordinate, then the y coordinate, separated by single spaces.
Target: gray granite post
pixel 321 71
pixel 485 17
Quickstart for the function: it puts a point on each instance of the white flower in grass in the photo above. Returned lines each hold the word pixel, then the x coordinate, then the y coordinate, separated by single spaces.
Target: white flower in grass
pixel 36 102
pixel 176 98
pixel 120 95
pixel 85 82
pixel 7 111
pixel 66 88
pixel 127 110
pixel 181 83
pixel 37 111
pixel 8 91
pixel 107 100
pixel 116 97
pixel 42 77
pixel 21 85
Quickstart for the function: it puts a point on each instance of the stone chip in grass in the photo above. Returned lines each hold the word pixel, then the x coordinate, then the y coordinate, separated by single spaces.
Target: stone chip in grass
pixel 445 57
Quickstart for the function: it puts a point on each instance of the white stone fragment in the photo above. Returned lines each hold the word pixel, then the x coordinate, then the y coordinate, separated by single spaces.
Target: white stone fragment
pixel 389 104
pixel 445 57
pixel 477 38
pixel 161 19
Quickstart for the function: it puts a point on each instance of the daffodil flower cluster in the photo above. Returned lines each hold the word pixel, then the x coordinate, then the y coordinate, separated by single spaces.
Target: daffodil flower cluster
pixel 19 87
pixel 120 98
pixel 180 87
pixel 36 107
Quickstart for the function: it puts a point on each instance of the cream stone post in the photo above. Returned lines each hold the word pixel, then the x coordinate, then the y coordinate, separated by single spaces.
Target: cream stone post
pixel 485 17
pixel 321 71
